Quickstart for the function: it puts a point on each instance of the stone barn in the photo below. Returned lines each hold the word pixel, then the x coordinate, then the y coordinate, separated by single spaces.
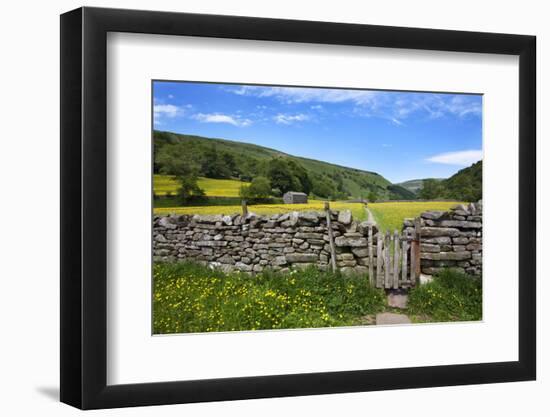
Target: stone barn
pixel 293 197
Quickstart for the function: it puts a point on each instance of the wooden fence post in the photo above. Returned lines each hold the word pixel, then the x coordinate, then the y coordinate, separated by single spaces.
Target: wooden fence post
pixel 379 260
pixel 330 238
pixel 395 259
pixel 404 261
pixel 387 258
pixel 412 272
pixel 417 260
pixel 371 260
pixel 245 208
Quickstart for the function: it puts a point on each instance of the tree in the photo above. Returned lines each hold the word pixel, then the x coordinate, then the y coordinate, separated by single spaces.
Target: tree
pixel 431 189
pixel 339 180
pixel 258 189
pixel 189 189
pixel 281 177
pixel 215 166
pixel 324 187
pixel 230 163
pixel 175 160
pixel 287 175
pixel 372 197
pixel 301 175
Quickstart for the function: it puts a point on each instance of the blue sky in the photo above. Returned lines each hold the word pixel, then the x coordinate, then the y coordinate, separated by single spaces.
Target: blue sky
pixel 400 135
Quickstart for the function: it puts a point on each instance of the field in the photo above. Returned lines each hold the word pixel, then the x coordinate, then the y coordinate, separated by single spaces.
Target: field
pixel 164 184
pixel 190 298
pixel 357 209
pixel 389 216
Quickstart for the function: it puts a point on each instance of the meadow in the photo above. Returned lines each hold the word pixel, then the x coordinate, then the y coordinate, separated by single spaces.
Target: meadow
pixel 191 298
pixel 357 209
pixel 390 215
pixel 166 184
pixel 188 297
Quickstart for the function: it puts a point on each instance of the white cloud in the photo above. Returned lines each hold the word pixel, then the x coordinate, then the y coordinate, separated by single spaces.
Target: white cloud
pixel 394 106
pixel 222 118
pixel 306 95
pixel 462 158
pixel 161 111
pixel 168 110
pixel 287 119
pixel 463 105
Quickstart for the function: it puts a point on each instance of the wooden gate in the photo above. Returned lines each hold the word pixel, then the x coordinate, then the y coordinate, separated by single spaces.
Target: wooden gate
pixel 397 260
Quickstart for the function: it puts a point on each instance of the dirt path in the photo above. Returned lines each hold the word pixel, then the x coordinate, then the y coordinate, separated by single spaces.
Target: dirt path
pixel 370 217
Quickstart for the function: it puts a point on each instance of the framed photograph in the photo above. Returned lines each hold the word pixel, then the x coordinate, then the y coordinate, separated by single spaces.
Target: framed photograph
pixel 257 208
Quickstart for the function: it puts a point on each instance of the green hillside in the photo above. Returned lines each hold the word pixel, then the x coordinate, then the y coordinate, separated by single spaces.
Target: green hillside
pixel 465 185
pixel 398 192
pixel 226 159
pixel 415 186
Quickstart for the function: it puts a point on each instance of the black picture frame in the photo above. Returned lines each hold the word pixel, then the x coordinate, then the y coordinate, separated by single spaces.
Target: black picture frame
pixel 84 207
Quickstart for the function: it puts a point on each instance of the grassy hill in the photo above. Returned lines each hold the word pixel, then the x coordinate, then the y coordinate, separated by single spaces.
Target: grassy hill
pixel 465 185
pixel 247 161
pixel 415 186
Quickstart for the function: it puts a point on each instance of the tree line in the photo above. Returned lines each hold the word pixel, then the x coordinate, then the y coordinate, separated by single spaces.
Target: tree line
pixel 465 185
pixel 268 177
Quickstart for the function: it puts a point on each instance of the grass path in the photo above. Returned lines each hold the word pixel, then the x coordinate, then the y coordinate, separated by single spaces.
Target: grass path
pixel 370 217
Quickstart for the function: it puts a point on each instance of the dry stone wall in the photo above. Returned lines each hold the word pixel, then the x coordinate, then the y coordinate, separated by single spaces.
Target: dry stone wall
pixel 299 239
pixel 254 243
pixel 451 239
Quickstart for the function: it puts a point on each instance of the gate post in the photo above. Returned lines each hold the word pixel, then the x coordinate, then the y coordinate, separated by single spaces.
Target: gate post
pixel 415 252
pixel 330 238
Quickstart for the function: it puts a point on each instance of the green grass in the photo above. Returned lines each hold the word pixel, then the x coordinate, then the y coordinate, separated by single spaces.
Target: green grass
pixel 189 297
pixel 451 296
pixel 165 184
pixel 390 215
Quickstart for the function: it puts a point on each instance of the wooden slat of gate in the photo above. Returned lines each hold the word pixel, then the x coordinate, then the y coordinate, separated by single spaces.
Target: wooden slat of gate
pixel 371 260
pixel 387 266
pixel 395 259
pixel 379 260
